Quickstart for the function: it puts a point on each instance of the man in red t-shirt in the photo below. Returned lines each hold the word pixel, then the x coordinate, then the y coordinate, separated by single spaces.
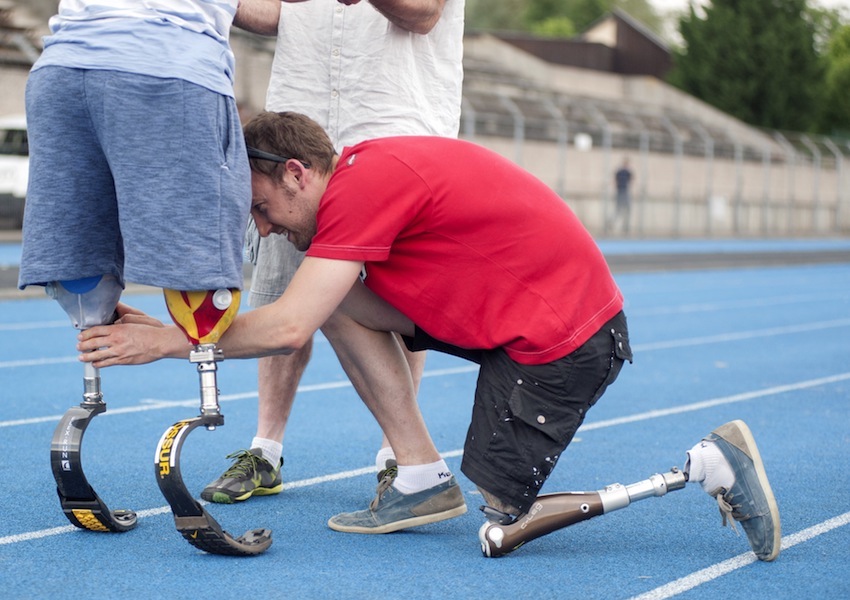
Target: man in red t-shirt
pixel 458 250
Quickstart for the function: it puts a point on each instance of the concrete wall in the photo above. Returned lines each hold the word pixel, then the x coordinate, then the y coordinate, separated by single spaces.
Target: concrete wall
pixel 689 196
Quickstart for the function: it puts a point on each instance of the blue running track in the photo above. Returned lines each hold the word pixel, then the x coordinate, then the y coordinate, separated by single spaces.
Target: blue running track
pixel 769 345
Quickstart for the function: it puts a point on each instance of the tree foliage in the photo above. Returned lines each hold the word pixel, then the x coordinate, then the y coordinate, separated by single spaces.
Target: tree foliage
pixel 557 18
pixel 754 60
pixel 835 112
pixel 782 64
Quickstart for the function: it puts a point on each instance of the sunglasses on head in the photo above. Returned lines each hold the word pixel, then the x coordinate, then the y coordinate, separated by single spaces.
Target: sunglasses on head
pixel 256 153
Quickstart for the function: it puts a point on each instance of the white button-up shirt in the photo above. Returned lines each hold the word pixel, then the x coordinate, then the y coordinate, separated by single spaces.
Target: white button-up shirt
pixel 365 77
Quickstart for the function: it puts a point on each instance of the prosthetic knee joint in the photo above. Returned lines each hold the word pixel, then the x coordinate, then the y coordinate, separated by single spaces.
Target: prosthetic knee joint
pixel 203 316
pixel 504 533
pixel 89 302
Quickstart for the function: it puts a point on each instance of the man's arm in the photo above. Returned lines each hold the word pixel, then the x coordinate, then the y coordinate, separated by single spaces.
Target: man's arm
pixel 316 290
pixel 418 16
pixel 258 16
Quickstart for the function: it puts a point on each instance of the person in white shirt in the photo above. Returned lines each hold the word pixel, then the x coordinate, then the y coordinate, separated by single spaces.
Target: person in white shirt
pixel 361 70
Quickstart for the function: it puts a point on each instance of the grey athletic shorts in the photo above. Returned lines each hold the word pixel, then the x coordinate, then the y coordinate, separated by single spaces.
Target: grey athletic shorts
pixel 275 262
pixel 524 416
pixel 142 178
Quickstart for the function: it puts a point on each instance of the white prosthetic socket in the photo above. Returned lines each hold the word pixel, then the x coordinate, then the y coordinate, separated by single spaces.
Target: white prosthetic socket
pixel 89 301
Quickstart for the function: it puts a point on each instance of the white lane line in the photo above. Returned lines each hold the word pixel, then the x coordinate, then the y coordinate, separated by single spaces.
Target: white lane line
pixel 742 397
pixel 741 335
pixel 693 580
pixel 38 362
pixel 154 404
pixel 704 307
pixel 34 325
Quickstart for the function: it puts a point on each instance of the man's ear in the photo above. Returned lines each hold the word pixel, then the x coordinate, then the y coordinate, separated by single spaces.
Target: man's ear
pixel 296 170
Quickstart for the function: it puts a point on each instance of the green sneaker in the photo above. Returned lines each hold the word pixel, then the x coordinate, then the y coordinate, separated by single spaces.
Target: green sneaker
pixel 249 475
pixel 391 510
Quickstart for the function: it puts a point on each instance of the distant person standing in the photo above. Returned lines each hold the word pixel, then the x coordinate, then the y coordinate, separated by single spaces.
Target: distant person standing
pixel 623 180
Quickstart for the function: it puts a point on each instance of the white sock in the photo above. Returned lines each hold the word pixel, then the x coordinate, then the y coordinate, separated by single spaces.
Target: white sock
pixel 384 454
pixel 415 478
pixel 707 466
pixel 272 450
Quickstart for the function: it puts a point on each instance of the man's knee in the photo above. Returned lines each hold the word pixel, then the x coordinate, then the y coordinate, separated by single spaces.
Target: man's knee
pixel 337 325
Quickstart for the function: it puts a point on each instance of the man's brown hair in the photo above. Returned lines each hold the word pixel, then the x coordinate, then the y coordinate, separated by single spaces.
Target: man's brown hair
pixel 289 135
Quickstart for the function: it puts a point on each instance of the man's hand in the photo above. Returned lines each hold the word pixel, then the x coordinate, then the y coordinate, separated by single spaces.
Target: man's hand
pixel 416 16
pixel 135 339
pixel 128 314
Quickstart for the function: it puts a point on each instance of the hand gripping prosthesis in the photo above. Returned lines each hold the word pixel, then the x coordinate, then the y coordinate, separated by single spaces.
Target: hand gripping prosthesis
pixel 203 316
pixel 505 533
pixel 90 301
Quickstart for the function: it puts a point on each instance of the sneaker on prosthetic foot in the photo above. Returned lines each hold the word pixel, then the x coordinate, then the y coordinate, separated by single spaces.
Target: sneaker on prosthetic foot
pixel 249 475
pixel 749 499
pixel 391 510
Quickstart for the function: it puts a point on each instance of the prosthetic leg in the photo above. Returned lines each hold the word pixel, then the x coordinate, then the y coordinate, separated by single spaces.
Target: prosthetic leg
pixel 203 316
pixel 89 302
pixel 505 533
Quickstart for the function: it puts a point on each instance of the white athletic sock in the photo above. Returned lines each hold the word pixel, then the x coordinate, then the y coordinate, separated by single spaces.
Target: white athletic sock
pixel 384 454
pixel 415 478
pixel 707 466
pixel 272 450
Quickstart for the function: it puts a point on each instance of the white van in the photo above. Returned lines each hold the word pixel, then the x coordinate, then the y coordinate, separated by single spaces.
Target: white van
pixel 14 170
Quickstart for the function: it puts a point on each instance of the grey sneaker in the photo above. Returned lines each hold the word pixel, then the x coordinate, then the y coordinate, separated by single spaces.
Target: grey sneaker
pixel 750 501
pixel 249 475
pixel 391 510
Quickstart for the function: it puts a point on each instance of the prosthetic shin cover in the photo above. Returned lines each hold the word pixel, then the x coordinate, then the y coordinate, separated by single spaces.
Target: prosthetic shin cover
pixel 550 512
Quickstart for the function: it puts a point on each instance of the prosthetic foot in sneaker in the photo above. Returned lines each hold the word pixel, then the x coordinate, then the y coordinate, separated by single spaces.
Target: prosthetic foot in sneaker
pixel 391 510
pixel 249 475
pixel 747 498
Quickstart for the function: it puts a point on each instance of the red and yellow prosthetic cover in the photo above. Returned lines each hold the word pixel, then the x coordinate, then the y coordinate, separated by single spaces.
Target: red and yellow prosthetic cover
pixel 197 315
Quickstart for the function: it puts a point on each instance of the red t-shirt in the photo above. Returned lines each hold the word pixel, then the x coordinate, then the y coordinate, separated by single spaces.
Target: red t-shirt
pixel 474 250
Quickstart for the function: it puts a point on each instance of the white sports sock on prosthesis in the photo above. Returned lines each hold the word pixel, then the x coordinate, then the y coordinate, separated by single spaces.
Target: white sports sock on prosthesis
pixel 272 450
pixel 415 478
pixel 707 466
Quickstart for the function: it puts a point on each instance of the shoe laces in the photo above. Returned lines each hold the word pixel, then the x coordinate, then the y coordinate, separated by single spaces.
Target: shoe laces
pixel 383 485
pixel 245 462
pixel 391 471
pixel 727 510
